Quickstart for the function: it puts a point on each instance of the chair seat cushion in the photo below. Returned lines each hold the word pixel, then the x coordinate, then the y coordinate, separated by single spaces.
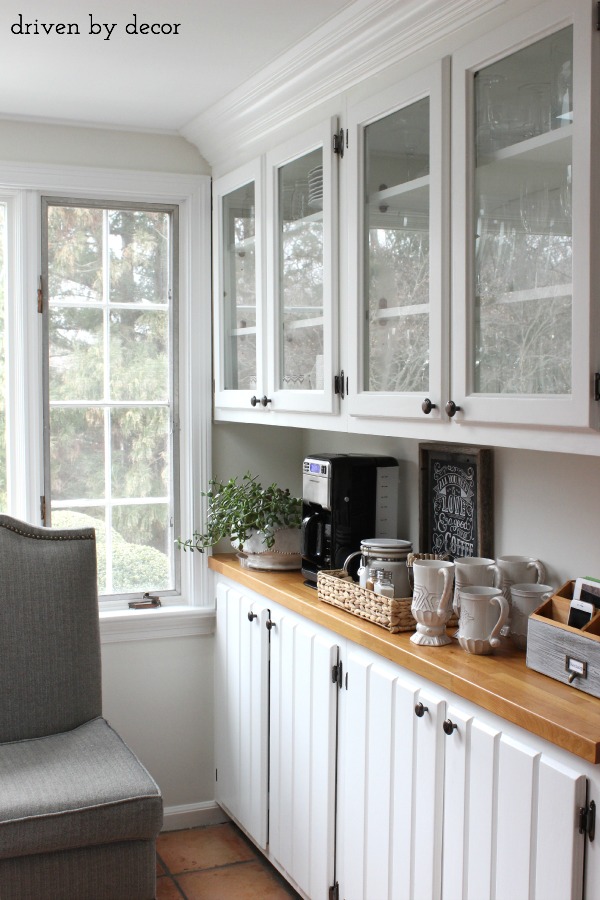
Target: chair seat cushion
pixel 74 789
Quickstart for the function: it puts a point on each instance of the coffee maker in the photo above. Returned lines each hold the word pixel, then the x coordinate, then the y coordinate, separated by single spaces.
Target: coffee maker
pixel 346 498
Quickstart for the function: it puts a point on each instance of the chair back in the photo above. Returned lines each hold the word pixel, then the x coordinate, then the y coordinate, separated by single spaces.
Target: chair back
pixel 49 630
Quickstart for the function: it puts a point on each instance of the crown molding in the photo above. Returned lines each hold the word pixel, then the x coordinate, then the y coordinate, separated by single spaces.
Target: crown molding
pixel 360 42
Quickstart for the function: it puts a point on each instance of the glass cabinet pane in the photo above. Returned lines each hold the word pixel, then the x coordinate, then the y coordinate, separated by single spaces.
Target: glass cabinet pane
pixel 301 260
pixel 239 288
pixel 522 310
pixel 396 251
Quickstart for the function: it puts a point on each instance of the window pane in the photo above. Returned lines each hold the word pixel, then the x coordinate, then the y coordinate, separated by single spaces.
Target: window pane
pixel 140 452
pixel 139 355
pixel 76 353
pixel 396 253
pixel 111 386
pixel 74 254
pixel 77 453
pixel 301 273
pixel 139 256
pixel 523 305
pixel 239 288
pixel 3 497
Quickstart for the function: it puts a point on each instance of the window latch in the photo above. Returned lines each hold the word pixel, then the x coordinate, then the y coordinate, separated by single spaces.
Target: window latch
pixel 148 601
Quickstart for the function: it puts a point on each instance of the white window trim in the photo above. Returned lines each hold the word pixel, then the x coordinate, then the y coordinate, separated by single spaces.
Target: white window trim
pixel 22 186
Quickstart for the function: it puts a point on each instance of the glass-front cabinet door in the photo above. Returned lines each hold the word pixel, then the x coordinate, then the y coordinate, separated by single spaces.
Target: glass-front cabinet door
pixel 521 186
pixel 399 277
pixel 301 263
pixel 238 296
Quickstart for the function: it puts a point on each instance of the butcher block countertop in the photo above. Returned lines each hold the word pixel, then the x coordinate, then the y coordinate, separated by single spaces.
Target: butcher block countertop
pixel 500 683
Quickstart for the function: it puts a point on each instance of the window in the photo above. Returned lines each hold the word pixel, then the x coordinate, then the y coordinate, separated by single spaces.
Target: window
pixel 105 398
pixel 110 276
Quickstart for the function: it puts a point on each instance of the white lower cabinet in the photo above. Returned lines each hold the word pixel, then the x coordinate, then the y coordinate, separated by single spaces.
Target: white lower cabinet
pixel 242 709
pixel 379 785
pixel 303 730
pixel 436 803
pixel 276 734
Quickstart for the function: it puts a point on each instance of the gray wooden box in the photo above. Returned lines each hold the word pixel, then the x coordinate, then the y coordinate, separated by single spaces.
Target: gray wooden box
pixel 570 655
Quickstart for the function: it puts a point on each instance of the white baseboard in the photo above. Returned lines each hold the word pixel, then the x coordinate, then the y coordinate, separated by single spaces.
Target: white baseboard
pixel 193 815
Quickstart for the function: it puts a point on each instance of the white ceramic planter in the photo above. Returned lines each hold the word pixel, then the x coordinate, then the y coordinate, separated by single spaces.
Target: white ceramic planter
pixel 285 554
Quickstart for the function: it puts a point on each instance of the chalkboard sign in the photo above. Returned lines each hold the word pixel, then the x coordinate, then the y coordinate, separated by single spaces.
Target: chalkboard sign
pixel 455 500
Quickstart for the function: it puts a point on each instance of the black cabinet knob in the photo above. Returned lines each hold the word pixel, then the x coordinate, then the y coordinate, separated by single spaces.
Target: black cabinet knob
pixel 253 400
pixel 252 616
pixel 270 624
pixel 420 710
pixel 427 406
pixel 451 408
pixel 449 726
pixel 264 400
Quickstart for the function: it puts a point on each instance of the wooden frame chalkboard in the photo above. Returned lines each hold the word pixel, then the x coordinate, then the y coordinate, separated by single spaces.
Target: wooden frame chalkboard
pixel 456 500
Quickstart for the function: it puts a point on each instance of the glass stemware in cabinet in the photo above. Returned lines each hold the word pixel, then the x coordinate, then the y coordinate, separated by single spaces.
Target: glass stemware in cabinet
pixel 300 266
pixel 239 288
pixel 522 307
pixel 396 251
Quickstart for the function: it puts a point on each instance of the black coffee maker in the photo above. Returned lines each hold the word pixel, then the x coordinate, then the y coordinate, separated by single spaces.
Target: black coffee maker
pixel 346 498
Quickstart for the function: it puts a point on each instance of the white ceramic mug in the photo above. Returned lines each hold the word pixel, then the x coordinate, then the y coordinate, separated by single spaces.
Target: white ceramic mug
pixel 472 570
pixel 483 614
pixel 519 570
pixel 525 598
pixel 431 606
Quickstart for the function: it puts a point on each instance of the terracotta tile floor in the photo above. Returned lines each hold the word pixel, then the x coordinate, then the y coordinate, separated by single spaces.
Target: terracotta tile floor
pixel 215 863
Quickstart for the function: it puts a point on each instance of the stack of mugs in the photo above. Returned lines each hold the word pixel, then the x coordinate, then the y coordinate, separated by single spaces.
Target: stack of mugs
pixel 490 597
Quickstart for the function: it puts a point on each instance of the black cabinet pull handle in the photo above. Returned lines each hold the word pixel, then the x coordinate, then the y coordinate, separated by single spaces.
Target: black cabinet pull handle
pixel 252 616
pixel 449 726
pixel 420 710
pixel 451 408
pixel 427 406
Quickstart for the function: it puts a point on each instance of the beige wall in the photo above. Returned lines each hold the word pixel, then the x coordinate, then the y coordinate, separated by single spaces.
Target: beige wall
pixel 29 142
pixel 546 505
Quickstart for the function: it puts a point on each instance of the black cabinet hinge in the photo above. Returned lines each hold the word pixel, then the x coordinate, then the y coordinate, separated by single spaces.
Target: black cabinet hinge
pixel 337 675
pixel 334 891
pixel 597 386
pixel 587 820
pixel 340 142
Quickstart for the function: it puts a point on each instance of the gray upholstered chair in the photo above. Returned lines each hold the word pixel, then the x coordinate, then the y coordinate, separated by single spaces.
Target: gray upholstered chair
pixel 79 814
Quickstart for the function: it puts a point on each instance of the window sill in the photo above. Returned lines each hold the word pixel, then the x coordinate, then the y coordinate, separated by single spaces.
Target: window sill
pixel 150 624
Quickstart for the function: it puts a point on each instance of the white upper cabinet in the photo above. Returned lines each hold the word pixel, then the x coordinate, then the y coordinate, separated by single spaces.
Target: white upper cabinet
pixel 523 349
pixel 239 373
pixel 398 249
pixel 301 243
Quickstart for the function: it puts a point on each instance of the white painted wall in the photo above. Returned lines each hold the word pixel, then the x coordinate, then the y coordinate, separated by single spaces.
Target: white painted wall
pixel 158 694
pixel 32 142
pixel 546 505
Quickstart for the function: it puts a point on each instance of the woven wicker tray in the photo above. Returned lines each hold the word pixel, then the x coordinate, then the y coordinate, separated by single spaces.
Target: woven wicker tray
pixel 392 613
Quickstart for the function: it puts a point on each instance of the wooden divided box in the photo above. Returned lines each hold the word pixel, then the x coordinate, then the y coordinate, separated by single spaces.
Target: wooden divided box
pixel 570 655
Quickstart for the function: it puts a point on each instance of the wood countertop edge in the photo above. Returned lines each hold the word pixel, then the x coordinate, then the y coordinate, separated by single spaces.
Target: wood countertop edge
pixel 501 683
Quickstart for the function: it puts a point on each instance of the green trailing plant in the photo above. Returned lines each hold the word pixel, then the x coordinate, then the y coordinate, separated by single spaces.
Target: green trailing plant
pixel 237 508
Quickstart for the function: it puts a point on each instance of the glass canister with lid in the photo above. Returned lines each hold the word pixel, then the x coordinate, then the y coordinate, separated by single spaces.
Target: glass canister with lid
pixel 389 554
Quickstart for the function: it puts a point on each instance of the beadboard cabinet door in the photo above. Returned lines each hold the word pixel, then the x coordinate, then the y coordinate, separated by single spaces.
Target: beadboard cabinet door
pixel 242 709
pixel 303 749
pixel 437 801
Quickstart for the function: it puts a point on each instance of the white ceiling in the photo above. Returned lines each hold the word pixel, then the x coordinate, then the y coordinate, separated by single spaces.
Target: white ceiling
pixel 150 82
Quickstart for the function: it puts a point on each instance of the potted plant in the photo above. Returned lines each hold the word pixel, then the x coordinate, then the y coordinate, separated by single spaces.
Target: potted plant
pixel 262 523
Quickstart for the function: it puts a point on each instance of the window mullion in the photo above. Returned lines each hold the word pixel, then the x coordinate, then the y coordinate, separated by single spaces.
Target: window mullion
pixel 107 398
